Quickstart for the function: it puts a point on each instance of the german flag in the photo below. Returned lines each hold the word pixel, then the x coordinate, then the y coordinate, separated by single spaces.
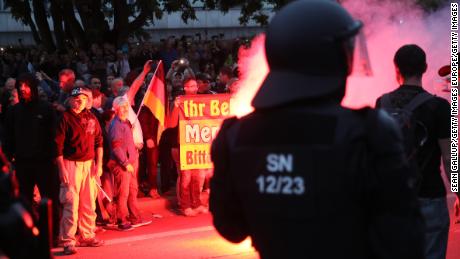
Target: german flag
pixel 155 98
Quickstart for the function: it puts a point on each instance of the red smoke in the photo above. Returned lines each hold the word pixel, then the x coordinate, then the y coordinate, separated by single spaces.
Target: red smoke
pixel 253 68
pixel 387 25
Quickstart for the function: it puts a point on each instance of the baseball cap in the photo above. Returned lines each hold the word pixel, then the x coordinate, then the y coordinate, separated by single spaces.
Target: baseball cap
pixel 79 90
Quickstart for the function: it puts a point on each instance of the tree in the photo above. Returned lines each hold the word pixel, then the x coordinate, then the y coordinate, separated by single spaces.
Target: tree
pixel 21 11
pixel 256 9
pixel 87 21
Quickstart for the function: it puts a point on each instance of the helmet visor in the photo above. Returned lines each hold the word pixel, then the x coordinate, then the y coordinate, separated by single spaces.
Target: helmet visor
pixel 358 60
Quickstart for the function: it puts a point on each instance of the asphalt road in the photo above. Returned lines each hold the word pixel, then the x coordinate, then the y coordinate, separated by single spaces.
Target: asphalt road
pixel 173 236
pixel 169 236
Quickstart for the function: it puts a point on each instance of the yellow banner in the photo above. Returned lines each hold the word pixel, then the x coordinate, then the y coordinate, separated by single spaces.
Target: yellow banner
pixel 195 157
pixel 199 122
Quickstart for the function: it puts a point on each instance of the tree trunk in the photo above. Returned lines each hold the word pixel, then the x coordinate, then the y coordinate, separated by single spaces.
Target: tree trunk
pixel 121 21
pixel 42 24
pixel 68 32
pixel 99 19
pixel 122 27
pixel 28 21
pixel 71 21
pixel 93 20
pixel 85 15
pixel 138 22
pixel 58 24
pixel 34 30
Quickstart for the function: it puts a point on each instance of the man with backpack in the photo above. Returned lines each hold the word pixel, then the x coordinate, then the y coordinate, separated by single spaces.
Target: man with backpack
pixel 424 120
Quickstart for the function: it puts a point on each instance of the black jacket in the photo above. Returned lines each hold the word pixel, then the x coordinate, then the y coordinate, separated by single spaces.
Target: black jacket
pixel 315 181
pixel 434 117
pixel 30 129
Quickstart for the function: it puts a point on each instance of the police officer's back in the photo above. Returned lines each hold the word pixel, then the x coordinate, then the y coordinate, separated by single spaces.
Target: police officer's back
pixel 303 176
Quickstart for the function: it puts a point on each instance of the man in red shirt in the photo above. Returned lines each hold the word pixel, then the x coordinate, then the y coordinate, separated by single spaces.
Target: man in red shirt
pixel 78 141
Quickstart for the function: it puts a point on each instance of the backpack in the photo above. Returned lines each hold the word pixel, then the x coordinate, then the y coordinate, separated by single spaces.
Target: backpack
pixel 410 126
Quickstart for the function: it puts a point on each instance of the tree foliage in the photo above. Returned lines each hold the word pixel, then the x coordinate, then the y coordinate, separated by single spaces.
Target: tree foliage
pixel 86 21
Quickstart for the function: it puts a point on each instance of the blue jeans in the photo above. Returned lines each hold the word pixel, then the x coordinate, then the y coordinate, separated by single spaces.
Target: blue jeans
pixel 436 217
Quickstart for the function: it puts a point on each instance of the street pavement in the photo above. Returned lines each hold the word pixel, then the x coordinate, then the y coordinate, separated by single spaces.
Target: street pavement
pixel 169 236
pixel 172 236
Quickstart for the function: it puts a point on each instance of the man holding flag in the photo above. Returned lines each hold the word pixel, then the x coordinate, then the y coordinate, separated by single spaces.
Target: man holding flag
pixel 152 115
pixel 124 159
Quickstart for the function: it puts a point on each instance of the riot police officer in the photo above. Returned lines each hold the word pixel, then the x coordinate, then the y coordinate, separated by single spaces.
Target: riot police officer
pixel 303 176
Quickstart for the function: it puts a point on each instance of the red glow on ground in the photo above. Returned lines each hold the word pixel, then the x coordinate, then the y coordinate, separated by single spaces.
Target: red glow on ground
pixel 222 247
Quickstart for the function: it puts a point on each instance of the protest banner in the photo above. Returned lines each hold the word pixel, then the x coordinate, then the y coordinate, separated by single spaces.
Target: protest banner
pixel 200 118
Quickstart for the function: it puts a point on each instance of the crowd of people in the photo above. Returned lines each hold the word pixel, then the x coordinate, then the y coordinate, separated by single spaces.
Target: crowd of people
pixel 72 122
pixel 73 125
pixel 105 60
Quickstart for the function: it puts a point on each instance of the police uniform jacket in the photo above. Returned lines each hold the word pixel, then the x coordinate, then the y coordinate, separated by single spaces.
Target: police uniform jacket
pixel 312 179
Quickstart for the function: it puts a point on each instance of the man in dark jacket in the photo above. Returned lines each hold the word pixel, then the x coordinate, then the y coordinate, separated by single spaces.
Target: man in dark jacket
pixel 30 130
pixel 149 126
pixel 303 176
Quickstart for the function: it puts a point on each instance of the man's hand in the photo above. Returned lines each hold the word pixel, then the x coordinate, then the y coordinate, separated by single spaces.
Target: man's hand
pixel 64 176
pixel 147 66
pixel 138 82
pixel 99 170
pixel 130 168
pixel 59 107
pixel 150 143
pixel 139 146
pixel 39 76
pixel 177 102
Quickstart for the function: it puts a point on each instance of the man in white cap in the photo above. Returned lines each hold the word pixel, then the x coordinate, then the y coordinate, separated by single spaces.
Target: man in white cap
pixel 123 164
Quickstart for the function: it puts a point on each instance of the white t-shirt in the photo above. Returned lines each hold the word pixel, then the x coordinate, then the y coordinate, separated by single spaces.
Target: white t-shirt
pixel 137 130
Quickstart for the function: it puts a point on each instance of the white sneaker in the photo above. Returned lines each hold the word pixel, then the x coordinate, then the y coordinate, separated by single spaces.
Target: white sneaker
pixel 189 212
pixel 140 223
pixel 201 209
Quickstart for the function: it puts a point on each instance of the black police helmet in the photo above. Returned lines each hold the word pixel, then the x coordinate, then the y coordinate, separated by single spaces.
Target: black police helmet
pixel 309 48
